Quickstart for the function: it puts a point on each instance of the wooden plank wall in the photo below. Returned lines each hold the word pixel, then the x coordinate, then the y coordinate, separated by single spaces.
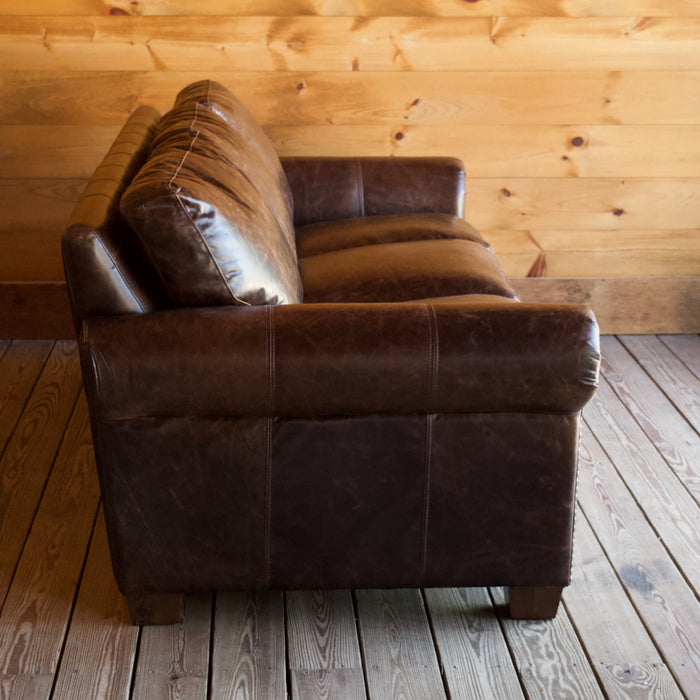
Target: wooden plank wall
pixel 579 122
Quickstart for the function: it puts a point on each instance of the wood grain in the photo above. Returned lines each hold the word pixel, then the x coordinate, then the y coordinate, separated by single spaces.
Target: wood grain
pixel 676 380
pixel 587 203
pixel 623 656
pixel 670 432
pixel 35 310
pixel 539 647
pixel 320 98
pixel 100 648
pixel 489 151
pixel 473 652
pixel 351 44
pixel 173 660
pixel 686 348
pixel 20 365
pixel 667 504
pixel 249 646
pixel 362 8
pixel 324 654
pixel 493 203
pixel 29 456
pixel 400 661
pixel 624 304
pixel 662 597
pixel 38 606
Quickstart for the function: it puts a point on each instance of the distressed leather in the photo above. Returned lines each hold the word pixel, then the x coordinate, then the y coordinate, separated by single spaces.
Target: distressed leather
pixel 409 423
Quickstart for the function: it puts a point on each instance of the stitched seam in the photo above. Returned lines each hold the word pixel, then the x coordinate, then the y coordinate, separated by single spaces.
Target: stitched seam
pixel 176 192
pixel 270 419
pixel 433 353
pixel 434 358
pixel 360 188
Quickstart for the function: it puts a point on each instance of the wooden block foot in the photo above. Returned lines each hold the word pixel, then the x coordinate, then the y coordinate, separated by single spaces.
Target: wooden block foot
pixel 534 602
pixel 155 609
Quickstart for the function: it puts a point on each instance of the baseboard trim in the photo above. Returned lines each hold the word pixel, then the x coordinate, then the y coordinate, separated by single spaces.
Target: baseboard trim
pixel 622 304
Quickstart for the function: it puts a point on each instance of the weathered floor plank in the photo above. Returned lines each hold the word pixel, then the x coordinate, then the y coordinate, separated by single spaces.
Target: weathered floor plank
pixel 249 646
pixel 549 657
pixel 400 660
pixel 686 348
pixel 677 381
pixel 100 649
pixel 324 654
pixel 672 435
pixel 663 600
pixel 39 604
pixel 473 652
pixel 20 364
pixel 624 657
pixel 29 456
pixel 666 502
pixel 173 660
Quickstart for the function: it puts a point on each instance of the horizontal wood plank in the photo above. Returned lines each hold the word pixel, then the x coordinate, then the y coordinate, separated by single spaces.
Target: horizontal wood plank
pixel 488 151
pixel 35 310
pixel 492 203
pixel 589 203
pixel 351 44
pixel 624 304
pixel 320 98
pixel 360 8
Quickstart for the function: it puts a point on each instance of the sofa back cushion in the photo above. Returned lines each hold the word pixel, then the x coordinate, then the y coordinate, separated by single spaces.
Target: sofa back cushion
pixel 212 207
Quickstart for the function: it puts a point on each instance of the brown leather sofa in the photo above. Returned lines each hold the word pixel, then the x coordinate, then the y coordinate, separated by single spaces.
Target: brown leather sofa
pixel 313 373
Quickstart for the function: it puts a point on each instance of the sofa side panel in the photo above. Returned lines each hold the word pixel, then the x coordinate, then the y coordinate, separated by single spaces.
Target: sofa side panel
pixel 501 501
pixel 185 502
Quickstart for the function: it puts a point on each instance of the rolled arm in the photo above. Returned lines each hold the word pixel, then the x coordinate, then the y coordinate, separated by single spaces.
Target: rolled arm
pixel 341 359
pixel 327 189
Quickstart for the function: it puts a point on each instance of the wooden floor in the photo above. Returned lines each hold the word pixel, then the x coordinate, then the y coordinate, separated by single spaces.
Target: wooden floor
pixel 629 626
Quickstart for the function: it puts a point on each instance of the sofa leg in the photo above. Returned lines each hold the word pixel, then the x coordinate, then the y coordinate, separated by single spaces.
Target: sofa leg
pixel 534 602
pixel 155 609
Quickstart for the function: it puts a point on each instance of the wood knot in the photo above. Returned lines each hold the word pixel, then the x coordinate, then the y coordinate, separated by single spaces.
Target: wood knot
pixel 577 141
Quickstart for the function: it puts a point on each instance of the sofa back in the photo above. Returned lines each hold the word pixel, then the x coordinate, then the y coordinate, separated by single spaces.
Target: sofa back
pixel 107 270
pixel 191 209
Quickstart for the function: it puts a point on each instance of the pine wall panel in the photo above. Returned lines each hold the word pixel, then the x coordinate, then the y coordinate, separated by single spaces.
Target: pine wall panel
pixel 578 120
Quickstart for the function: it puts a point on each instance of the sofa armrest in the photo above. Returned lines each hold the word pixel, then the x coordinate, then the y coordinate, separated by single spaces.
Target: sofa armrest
pixel 341 359
pixel 326 189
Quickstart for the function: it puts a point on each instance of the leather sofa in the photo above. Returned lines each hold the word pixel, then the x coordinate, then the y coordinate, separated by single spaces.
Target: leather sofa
pixel 313 373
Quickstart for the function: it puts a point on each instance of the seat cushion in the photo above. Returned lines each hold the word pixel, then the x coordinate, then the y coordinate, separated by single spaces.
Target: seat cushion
pixel 392 272
pixel 209 208
pixel 327 236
